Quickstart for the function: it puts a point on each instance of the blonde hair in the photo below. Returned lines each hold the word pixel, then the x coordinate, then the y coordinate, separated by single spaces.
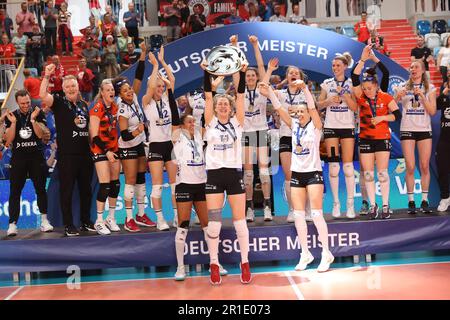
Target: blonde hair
pixel 105 82
pixel 345 58
pixel 425 80
pixel 230 100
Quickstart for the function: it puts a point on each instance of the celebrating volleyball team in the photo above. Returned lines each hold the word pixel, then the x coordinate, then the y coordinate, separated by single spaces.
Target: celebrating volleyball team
pixel 209 154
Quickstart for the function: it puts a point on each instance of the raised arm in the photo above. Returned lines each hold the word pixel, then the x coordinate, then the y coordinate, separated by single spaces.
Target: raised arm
pixel 312 108
pixel 151 85
pixel 267 90
pixel 140 69
pixel 209 103
pixel 271 67
pixel 38 127
pixel 46 97
pixel 169 72
pixel 259 59
pixel 356 72
pixel 384 84
pixel 240 97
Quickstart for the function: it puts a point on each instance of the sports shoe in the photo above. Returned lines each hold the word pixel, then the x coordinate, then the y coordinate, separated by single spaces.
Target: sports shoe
pixel 131 226
pixel 305 259
pixel 250 215
pixel 162 225
pixel 385 212
pixel 425 207
pixel 102 229
pixel 290 216
pixel 112 225
pixel 215 277
pixel 373 212
pixel 175 221
pixel 443 205
pixel 267 214
pixel 71 231
pixel 246 276
pixel 12 230
pixel 350 210
pixel 411 207
pixel 336 210
pixel 180 275
pixel 144 221
pixel 327 259
pixel 222 270
pixel 364 208
pixel 46 226
pixel 88 227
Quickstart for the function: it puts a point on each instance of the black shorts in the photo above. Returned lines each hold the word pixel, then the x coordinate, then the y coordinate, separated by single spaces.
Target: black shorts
pixel 285 144
pixel 190 192
pixel 132 153
pixel 417 136
pixel 255 139
pixel 303 179
pixel 338 133
pixel 372 146
pixel 225 179
pixel 160 151
pixel 98 157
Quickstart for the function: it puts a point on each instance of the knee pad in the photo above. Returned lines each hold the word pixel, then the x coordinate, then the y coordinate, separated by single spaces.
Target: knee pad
pixel 248 177
pixel 315 213
pixel 114 189
pixel 369 176
pixel 156 191
pixel 213 230
pixel 299 214
pixel 128 193
pixel 241 227
pixel 383 176
pixel 140 191
pixel 264 175
pixel 215 215
pixel 140 178
pixel 334 169
pixel 349 170
pixel 103 192
pixel 184 224
pixel 172 188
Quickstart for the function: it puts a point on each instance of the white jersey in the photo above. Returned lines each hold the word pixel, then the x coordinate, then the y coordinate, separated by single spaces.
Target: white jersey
pixel 159 117
pixel 255 111
pixel 305 147
pixel 287 100
pixel 197 103
pixel 190 158
pixel 135 116
pixel 338 116
pixel 414 116
pixel 224 148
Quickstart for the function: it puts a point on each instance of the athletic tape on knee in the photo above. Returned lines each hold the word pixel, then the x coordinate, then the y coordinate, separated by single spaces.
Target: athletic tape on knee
pixel 128 192
pixel 172 188
pixel 215 215
pixel 316 213
pixel 264 175
pixel 369 176
pixel 349 170
pixel 185 224
pixel 140 178
pixel 213 230
pixel 383 176
pixel 156 191
pixel 334 169
pixel 248 177
pixel 114 189
pixel 103 192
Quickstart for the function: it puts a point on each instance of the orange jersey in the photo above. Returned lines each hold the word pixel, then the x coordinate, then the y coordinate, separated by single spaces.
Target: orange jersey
pixel 381 130
pixel 107 131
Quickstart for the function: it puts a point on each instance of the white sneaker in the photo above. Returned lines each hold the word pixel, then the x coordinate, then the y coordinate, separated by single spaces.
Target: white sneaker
pixel 250 215
pixel 327 259
pixel 290 217
pixel 101 228
pixel 175 221
pixel 162 225
pixel 267 214
pixel 443 205
pixel 180 275
pixel 222 270
pixel 112 225
pixel 350 210
pixel 46 226
pixel 12 230
pixel 305 259
pixel 336 210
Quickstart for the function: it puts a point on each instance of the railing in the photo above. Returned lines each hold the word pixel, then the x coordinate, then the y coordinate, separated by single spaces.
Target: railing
pixel 11 77
pixel 344 9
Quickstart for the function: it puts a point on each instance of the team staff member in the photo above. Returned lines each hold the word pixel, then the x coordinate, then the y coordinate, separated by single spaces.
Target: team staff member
pixel 74 159
pixel 24 131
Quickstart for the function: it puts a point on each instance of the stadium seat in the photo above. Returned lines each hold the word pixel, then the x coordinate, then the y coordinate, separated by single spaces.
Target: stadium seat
pixel 423 27
pixel 444 37
pixel 439 26
pixel 156 41
pixel 329 28
pixel 348 31
pixel 432 40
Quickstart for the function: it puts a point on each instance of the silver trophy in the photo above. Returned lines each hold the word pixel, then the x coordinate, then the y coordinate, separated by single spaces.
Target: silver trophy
pixel 225 60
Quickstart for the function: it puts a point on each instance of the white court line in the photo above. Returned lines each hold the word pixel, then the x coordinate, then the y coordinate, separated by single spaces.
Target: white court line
pixel 294 286
pixel 14 293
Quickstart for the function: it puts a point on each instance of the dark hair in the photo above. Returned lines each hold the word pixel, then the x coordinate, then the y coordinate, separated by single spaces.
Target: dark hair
pixel 21 93
pixel 364 12
pixel 255 70
pixel 370 75
pixel 118 83
pixel 184 116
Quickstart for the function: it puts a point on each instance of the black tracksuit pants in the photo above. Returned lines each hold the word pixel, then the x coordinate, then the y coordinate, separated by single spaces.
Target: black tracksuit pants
pixel 443 165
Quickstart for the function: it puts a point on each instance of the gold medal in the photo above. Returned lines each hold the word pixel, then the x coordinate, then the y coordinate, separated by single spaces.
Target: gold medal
pixel 161 121
pixel 250 107
pixel 298 149
pixel 415 104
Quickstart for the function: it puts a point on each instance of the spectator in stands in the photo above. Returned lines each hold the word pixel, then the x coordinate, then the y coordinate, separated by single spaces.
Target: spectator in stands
pixel 421 52
pixel 7 50
pixel 336 8
pixel 6 24
pixel 88 35
pixel 32 85
pixel 234 17
pixel 50 17
pixel 109 10
pixel 254 13
pixel 93 60
pixel 36 7
pixel 184 13
pixel 85 81
pixel 443 60
pixel 123 41
pixel 265 9
pixel 172 16
pixel 65 33
pixel 95 30
pixel 36 44
pixel 58 4
pixel 362 29
pixel 183 105
pixel 25 19
pixel 20 43
pixel 304 22
pixel 379 43
pixel 130 58
pixel 277 16
pixel 110 53
pixel 116 6
pixel 56 79
pixel 132 20
pixel 295 17
pixel 108 29
pixel 197 21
